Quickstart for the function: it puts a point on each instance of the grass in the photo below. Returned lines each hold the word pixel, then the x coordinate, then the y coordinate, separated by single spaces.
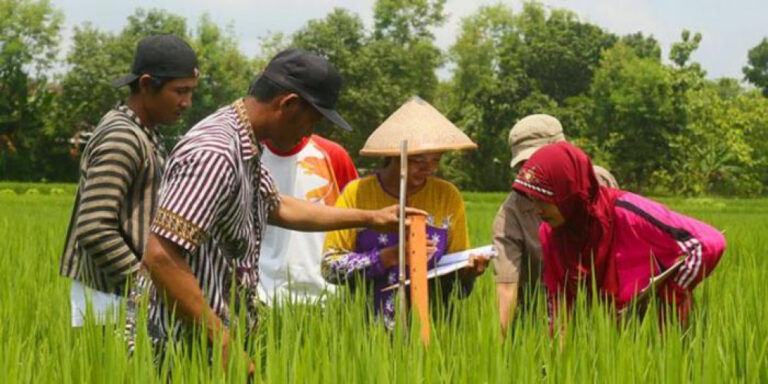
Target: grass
pixel 728 341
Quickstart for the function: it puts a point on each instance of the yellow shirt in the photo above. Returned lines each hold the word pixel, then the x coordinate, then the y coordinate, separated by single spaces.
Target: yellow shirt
pixel 439 198
pixel 356 252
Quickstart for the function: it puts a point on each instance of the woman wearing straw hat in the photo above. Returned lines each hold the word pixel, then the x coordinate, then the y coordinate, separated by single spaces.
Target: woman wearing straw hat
pixel 373 256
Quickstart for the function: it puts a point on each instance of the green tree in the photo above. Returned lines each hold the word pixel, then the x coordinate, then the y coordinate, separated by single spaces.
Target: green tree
pixel 681 51
pixel 341 37
pixel 561 52
pixel 85 91
pixel 644 46
pixel 406 20
pixel 687 75
pixel 633 101
pixel 714 153
pixel 225 72
pixel 381 68
pixel 29 44
pixel 753 120
pixel 728 88
pixel 29 34
pixel 488 82
pixel 509 65
pixel 756 72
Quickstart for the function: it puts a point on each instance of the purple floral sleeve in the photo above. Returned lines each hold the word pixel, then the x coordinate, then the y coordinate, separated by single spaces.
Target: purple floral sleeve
pixel 338 266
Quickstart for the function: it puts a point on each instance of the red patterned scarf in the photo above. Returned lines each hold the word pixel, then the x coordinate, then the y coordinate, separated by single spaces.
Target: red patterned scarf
pixel 563 175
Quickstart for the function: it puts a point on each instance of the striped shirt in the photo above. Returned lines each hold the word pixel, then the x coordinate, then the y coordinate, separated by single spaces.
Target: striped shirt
pixel 214 202
pixel 120 173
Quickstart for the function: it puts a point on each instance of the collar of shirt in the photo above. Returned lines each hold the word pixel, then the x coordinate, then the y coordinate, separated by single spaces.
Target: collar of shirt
pixel 524 203
pixel 248 140
pixel 153 134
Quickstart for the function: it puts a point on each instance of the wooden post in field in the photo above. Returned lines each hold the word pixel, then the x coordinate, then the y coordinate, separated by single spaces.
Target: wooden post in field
pixel 401 235
pixel 417 265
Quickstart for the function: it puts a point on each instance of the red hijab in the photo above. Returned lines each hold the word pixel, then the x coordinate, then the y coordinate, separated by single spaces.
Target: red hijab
pixel 562 174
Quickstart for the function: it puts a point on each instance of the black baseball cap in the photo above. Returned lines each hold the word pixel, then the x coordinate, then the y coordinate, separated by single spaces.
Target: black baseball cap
pixel 312 77
pixel 161 56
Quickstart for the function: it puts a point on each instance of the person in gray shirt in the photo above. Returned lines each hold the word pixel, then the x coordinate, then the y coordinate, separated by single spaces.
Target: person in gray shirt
pixel 517 269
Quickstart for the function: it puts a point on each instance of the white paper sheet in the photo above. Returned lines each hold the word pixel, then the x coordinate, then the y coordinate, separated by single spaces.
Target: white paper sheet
pixel 452 262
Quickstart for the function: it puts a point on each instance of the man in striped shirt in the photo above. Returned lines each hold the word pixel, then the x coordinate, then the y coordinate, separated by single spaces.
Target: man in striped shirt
pixel 120 172
pixel 216 198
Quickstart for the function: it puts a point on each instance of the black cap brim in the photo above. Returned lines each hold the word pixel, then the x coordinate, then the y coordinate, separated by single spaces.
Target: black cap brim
pixel 334 117
pixel 124 80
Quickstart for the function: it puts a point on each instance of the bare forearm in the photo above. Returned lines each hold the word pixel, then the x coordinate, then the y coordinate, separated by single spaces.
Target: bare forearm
pixel 507 298
pixel 300 215
pixel 178 286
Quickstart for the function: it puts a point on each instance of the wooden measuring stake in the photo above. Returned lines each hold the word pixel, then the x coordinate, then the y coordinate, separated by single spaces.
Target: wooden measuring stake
pixel 417 266
pixel 401 235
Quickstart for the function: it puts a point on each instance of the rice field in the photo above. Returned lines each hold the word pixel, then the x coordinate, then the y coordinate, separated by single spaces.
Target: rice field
pixel 727 342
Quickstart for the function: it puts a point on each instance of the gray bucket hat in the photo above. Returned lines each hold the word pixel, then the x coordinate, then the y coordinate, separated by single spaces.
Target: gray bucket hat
pixel 531 133
pixel 604 177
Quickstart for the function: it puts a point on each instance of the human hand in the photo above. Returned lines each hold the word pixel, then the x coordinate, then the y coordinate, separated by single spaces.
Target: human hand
pixel 243 355
pixel 389 256
pixel 431 249
pixel 477 265
pixel 251 364
pixel 386 219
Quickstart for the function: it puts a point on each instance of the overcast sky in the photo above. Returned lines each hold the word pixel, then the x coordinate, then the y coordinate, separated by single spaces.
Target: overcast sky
pixel 729 28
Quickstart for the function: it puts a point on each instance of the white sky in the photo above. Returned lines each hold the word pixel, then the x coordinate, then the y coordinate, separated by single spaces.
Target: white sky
pixel 729 28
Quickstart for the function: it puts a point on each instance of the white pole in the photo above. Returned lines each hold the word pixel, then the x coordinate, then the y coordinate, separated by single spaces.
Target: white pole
pixel 401 234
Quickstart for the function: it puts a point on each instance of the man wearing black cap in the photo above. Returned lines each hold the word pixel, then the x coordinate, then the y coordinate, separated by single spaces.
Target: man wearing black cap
pixel 120 172
pixel 216 198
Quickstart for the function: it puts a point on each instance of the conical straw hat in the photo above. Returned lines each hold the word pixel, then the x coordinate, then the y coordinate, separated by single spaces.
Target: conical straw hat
pixel 426 130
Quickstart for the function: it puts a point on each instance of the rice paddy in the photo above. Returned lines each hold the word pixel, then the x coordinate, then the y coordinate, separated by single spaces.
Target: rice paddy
pixel 337 343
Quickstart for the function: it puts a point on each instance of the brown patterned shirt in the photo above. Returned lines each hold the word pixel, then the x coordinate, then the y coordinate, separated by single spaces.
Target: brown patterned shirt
pixel 215 199
pixel 120 174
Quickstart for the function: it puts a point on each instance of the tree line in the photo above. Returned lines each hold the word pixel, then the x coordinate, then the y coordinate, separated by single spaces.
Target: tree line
pixel 661 126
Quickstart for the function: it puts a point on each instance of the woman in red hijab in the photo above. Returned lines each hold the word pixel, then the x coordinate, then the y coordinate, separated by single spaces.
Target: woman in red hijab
pixel 619 240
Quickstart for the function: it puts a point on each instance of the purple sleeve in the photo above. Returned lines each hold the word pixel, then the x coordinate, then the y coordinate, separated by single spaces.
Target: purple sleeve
pixel 338 267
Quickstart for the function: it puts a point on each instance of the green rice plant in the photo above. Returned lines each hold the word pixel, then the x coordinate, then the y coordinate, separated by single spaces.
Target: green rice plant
pixel 341 342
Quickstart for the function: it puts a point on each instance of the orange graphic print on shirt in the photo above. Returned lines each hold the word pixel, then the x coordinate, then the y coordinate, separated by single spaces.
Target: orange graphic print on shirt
pixel 320 167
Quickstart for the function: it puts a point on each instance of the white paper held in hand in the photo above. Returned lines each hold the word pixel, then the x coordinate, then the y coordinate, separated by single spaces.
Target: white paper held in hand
pixel 452 262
